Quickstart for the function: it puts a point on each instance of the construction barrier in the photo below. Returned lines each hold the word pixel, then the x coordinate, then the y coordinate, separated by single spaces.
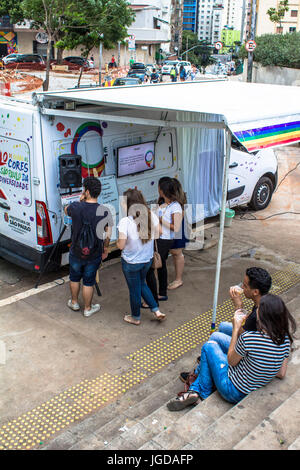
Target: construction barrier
pixel 5 89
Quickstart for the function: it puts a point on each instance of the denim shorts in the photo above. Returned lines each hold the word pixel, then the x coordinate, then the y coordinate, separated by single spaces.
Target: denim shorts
pixel 85 270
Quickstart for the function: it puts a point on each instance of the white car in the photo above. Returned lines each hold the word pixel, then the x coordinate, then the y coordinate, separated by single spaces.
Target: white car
pixel 167 66
pixel 252 177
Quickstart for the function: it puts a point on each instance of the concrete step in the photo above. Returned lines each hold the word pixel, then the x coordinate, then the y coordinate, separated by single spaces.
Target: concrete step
pixel 278 430
pixel 98 430
pixel 233 426
pixel 181 431
pixel 295 445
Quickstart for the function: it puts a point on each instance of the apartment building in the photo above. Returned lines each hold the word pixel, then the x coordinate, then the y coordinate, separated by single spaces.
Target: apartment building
pixel 290 23
pixel 190 15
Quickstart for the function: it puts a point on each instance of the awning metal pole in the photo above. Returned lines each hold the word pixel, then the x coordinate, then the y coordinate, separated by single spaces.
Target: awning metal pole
pixel 222 221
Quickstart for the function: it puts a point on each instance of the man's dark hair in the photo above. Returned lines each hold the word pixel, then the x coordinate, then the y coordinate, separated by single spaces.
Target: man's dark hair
pixel 93 185
pixel 259 279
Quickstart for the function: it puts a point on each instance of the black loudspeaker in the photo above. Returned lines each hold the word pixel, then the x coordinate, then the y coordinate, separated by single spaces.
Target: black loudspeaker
pixel 70 171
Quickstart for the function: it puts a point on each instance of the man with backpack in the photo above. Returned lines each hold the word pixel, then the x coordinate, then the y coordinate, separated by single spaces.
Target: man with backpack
pixel 91 231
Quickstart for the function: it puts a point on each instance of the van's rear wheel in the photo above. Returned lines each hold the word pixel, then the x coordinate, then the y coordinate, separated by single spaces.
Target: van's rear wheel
pixel 262 194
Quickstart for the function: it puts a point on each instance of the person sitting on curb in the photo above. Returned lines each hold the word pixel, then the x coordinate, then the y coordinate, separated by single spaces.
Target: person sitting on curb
pixel 84 262
pixel 257 282
pixel 254 358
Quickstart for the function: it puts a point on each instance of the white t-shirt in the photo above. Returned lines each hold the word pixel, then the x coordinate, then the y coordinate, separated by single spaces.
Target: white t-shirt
pixel 166 213
pixel 135 251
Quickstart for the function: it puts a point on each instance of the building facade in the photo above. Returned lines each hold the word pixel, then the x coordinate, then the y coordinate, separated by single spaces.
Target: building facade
pixel 190 15
pixel 289 24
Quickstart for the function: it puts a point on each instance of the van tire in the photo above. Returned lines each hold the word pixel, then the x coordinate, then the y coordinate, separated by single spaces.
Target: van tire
pixel 262 194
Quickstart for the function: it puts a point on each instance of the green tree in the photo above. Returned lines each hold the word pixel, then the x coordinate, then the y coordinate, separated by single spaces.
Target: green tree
pixel 200 55
pixel 281 50
pixel 276 15
pixel 70 23
pixel 105 20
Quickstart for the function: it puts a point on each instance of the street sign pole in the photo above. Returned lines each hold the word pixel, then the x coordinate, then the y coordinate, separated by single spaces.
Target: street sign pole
pixel 252 36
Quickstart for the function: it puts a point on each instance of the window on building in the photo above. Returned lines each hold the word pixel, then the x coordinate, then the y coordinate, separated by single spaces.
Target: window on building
pixel 279 29
pixel 294 13
pixel 292 29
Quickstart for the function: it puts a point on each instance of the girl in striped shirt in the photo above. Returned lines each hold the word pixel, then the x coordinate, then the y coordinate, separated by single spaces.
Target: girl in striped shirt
pixel 254 358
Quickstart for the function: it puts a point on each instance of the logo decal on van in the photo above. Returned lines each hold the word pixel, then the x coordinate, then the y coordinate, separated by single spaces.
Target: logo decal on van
pixel 91 168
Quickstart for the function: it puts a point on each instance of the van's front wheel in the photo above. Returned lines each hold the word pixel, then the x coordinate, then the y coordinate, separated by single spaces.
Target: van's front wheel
pixel 262 194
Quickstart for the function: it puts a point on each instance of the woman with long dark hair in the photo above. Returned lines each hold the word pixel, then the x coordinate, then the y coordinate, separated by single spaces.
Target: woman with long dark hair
pixel 179 241
pixel 136 238
pixel 254 358
pixel 170 217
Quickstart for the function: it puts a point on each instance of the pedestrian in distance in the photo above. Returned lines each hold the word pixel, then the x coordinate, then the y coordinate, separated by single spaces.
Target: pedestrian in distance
pixel 137 231
pixel 182 74
pixel 173 74
pixel 254 358
pixel 91 232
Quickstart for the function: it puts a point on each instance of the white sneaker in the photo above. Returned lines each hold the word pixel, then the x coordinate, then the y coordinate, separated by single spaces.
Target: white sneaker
pixel 94 308
pixel 72 306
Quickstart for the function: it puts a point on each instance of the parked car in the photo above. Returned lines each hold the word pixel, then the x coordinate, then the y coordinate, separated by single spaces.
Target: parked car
pixel 26 58
pixel 138 65
pixel 80 61
pixel 9 57
pixel 167 66
pixel 138 73
pixel 252 176
pixel 127 81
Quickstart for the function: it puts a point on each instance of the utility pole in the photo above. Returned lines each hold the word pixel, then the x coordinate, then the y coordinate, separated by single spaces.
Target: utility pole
pixel 252 36
pixel 100 58
pixel 243 21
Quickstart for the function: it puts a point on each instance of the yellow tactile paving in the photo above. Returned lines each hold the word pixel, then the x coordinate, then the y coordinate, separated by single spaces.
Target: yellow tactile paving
pixel 39 425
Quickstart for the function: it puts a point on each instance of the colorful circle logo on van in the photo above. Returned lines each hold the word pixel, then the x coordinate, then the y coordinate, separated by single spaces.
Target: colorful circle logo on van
pixel 94 168
pixel 149 158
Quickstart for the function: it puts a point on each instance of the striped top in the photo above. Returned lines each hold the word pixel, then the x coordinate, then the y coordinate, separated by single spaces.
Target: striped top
pixel 261 360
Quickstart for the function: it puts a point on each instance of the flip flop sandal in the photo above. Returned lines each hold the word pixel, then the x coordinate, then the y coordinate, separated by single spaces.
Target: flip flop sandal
pixel 175 285
pixel 160 317
pixel 179 403
pixel 131 320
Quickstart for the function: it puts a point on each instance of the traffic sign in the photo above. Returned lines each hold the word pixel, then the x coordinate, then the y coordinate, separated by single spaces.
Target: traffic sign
pixel 250 45
pixel 218 45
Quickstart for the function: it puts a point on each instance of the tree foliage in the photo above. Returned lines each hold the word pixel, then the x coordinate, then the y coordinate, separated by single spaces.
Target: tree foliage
pixel 282 50
pixel 200 55
pixel 276 15
pixel 73 23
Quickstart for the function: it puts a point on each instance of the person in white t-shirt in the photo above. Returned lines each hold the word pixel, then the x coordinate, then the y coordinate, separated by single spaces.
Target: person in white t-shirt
pixel 136 240
pixel 170 217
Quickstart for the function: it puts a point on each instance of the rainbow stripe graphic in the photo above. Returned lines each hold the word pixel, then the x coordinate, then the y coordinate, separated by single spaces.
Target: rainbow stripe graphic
pixel 269 136
pixel 91 169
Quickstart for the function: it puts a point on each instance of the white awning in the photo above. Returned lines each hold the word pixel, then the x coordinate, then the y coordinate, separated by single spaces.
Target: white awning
pixel 258 115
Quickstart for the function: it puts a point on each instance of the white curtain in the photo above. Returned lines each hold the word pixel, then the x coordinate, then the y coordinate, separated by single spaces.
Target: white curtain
pixel 201 156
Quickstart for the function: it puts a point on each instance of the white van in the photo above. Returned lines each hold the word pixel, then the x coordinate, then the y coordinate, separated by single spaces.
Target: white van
pixel 31 197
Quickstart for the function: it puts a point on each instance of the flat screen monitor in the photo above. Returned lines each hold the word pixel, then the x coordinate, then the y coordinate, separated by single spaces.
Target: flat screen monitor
pixel 135 158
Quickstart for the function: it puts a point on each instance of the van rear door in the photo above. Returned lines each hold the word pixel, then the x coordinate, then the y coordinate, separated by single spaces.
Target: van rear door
pixel 17 207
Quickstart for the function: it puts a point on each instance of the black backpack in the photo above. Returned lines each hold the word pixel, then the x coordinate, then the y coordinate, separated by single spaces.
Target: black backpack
pixel 87 243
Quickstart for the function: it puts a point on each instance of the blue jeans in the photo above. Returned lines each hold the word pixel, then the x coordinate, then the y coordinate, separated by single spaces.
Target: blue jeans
pixel 135 275
pixel 223 336
pixel 213 370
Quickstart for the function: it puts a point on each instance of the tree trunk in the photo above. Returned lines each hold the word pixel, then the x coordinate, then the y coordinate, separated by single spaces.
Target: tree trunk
pixel 46 82
pixel 59 55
